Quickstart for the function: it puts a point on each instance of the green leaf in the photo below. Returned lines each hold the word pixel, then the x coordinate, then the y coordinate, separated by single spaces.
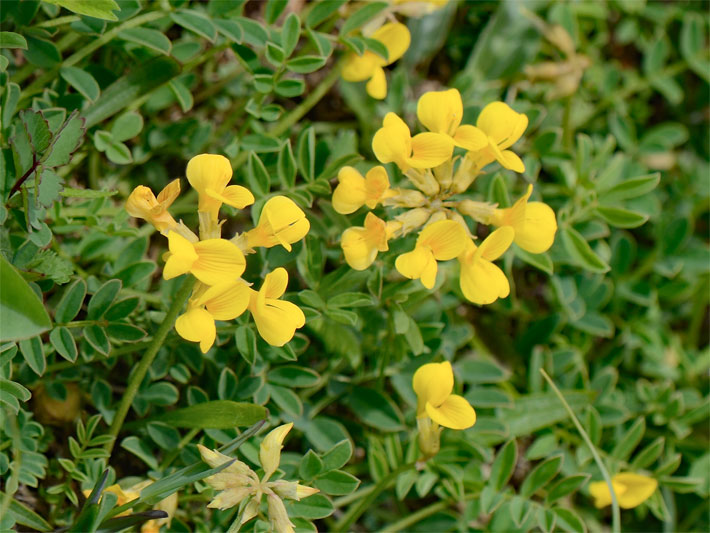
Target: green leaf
pixel 63 341
pixel 290 34
pixel 65 142
pixel 183 95
pixel 103 298
pixel 578 249
pixel 71 302
pixel 540 476
pixel 100 9
pixel 147 37
pixel 628 442
pixel 293 376
pixel 321 10
pixel 290 88
pixel 82 81
pixel 536 411
pixel 337 483
pixel 37 129
pixel 122 308
pixel 258 142
pixel 119 153
pixel 630 188
pixel 254 33
pixel 70 192
pixel 259 179
pixel 42 53
pixel 273 10
pixel 22 314
pixel 25 516
pixel 620 217
pixel 566 486
pixel 246 343
pixel 9 39
pixel 305 64
pixel 127 126
pixel 306 149
pixel 374 409
pixel 229 29
pixel 217 414
pixel 362 15
pixel 539 261
pixel 503 466
pixel 140 81
pixel 568 520
pixel 648 455
pixel 314 507
pixel 475 372
pixel 196 22
pixel 286 399
pixel 141 450
pixel 351 299
pixel 10 99
pixel 338 456
pixel 311 465
pixel 286 165
pixel 33 352
pixel 97 338
pixel 124 332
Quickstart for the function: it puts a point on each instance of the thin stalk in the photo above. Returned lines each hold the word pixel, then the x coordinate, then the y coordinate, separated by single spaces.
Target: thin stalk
pixel 615 513
pixel 408 521
pixel 353 513
pixel 147 359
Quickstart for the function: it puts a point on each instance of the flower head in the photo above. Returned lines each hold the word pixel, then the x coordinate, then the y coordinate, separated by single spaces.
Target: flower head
pixel 439 241
pixel 368 66
pixel 503 127
pixel 142 203
pixel 393 142
pixel 481 281
pixel 209 175
pixel 433 383
pixel 354 191
pixel 276 320
pixel 212 261
pixel 281 222
pixel 534 223
pixel 631 490
pixel 442 111
pixel 361 244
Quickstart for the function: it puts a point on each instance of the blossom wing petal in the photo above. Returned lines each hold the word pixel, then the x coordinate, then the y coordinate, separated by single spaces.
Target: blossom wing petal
pixel 441 111
pixel 454 413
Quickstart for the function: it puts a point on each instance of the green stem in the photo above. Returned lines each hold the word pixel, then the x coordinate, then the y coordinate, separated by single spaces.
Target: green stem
pixel 351 516
pixel 615 513
pixel 51 23
pixel 147 359
pixel 405 523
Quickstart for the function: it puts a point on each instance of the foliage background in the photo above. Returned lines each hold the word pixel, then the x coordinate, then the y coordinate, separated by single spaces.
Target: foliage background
pixel 616 313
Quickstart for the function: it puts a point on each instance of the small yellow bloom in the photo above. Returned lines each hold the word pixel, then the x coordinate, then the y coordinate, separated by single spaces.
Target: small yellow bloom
pixel 270 449
pixel 142 203
pixel 631 490
pixel 433 383
pixel 354 191
pixel 278 516
pixel 225 301
pixel 440 241
pixel 481 281
pixel 534 223
pixel 212 261
pixel 394 142
pixel 504 127
pixel 361 244
pixel 123 496
pixel 396 38
pixel 281 222
pixel 236 482
pixel 292 490
pixel 209 175
pixel 442 111
pixel 276 320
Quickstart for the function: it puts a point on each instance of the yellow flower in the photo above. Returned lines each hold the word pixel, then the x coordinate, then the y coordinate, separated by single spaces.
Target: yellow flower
pixel 481 281
pixel 236 482
pixel 368 66
pixel 225 301
pixel 433 384
pixel 212 261
pixel 276 320
pixel 209 175
pixel 504 127
pixel 439 241
pixel 123 496
pixel 281 222
pixel 270 449
pixel 534 223
pixel 142 203
pixel 394 142
pixel 442 111
pixel 631 490
pixel 354 191
pixel 361 244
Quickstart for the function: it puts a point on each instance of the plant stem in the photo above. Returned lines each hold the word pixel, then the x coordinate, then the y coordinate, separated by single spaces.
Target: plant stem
pixel 615 513
pixel 147 359
pixel 351 516
pixel 405 523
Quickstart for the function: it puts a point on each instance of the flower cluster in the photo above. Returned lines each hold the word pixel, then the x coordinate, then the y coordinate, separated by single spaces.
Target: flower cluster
pixel 430 163
pixel 239 484
pixel 218 264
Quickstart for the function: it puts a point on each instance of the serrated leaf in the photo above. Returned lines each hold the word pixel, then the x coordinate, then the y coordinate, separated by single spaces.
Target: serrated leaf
pixel 82 81
pixel 65 142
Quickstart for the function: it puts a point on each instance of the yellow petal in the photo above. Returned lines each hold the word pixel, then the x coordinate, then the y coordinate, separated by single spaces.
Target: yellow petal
pixel 230 498
pixel 418 264
pixel 169 193
pixel 197 325
pixel 454 413
pixel 377 184
pixel 277 320
pixel 396 38
pixel 432 384
pixel 482 282
pixel 496 243
pixel 351 192
pixel 440 111
pixel 360 68
pixel 377 86
pixel 215 459
pixel 275 283
pixel 446 238
pixel 287 222
pixel 182 256
pixel 502 124
pixel 270 449
pixel 470 138
pixel 208 171
pixel 601 494
pixel 219 260
pixel 359 255
pixel 430 150
pixel 278 516
pixel 393 141
pixel 506 158
pixel 538 233
pixel 234 195
pixel 639 488
pixel 226 301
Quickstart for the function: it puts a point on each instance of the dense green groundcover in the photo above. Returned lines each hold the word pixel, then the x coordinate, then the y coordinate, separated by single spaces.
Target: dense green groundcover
pixel 99 97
